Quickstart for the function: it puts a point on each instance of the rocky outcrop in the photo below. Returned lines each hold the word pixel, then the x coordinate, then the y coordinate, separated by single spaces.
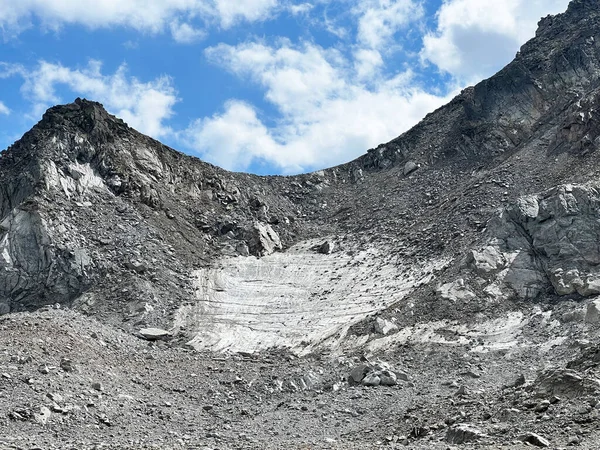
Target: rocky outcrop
pixel 543 243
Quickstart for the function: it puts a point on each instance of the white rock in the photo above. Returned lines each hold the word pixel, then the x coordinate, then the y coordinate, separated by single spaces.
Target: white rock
pixel 455 291
pixel 384 327
pixel 43 416
pixel 592 314
pixel 488 260
pixel 152 334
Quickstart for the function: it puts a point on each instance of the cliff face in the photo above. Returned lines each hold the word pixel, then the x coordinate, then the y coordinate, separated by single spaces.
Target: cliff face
pixel 99 217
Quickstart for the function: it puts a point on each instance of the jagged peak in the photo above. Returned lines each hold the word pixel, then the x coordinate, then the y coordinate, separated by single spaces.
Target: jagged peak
pixel 87 115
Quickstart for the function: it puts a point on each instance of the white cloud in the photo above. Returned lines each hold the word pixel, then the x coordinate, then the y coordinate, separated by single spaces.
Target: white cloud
pixel 231 11
pixel 475 38
pixel 184 33
pixel 144 105
pixel 4 109
pixel 367 63
pixel 380 20
pixel 325 115
pixel 233 139
pixel 302 8
pixel 143 15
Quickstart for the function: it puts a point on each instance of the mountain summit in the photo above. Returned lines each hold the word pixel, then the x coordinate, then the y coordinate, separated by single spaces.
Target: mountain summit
pixel 466 249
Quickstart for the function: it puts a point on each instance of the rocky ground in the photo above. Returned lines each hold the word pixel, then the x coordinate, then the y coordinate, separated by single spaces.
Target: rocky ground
pixel 68 381
pixel 441 291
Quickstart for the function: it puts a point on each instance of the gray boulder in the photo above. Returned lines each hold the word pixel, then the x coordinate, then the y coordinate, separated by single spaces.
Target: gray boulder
pixel 384 327
pixel 153 334
pixel 263 240
pixel 460 434
pixel 410 167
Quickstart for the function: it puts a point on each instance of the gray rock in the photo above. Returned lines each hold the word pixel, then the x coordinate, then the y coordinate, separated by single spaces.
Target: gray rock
pixel 535 439
pixel 326 248
pixel 592 314
pixel 358 373
pixel 43 416
pixel 67 365
pixel 456 291
pixel 460 434
pixel 264 240
pixel 487 261
pixel 242 249
pixel 371 379
pixel 97 386
pixel 410 167
pixel 519 381
pixel 137 266
pixel 387 378
pixel 56 398
pixel 153 334
pixel 566 282
pixel 384 327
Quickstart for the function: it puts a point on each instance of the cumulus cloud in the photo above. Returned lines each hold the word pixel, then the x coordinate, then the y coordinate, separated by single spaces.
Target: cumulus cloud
pixel 230 11
pixel 325 114
pixel 144 105
pixel 475 38
pixel 380 20
pixel 4 109
pixel 184 33
pixel 143 15
pixel 367 63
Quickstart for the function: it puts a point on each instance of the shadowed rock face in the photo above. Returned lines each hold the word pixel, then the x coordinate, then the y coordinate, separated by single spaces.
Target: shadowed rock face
pixel 99 217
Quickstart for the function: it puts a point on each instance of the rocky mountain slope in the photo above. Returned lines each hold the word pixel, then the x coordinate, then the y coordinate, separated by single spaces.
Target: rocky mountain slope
pixel 441 289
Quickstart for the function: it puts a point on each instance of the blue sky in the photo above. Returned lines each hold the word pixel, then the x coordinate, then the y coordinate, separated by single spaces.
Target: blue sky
pixel 265 86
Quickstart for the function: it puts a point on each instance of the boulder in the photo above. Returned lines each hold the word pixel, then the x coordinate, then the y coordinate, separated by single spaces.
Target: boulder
pixel 358 373
pixel 566 282
pixel 153 334
pixel 591 286
pixel 242 249
pixel 592 314
pixel 487 261
pixel 388 378
pixel 455 291
pixel 43 416
pixel 371 379
pixel 67 365
pixel 535 439
pixel 384 327
pixel 326 248
pixel 460 434
pixel 375 374
pixel 263 240
pixel 410 167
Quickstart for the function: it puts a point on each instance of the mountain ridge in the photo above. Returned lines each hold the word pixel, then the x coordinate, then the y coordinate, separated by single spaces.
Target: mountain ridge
pixel 442 289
